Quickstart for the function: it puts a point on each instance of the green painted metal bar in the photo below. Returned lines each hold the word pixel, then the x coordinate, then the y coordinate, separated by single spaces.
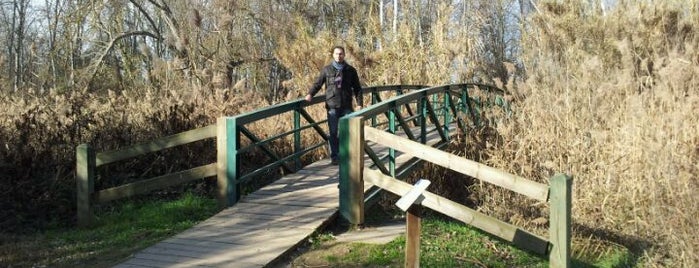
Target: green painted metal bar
pixel 273 138
pixel 232 187
pixel 374 100
pixel 264 148
pixel 447 117
pixel 413 118
pixel 459 121
pixel 411 115
pixel 246 118
pixel 466 99
pixel 297 138
pixel 433 117
pixel 423 120
pixel 391 151
pixel 315 125
pixel 434 103
pixel 383 106
pixel 375 158
pixel 403 124
pixel 249 175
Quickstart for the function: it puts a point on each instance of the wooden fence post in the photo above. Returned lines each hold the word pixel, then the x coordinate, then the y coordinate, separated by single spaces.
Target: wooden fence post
pixel 412 236
pixel 85 182
pixel 227 144
pixel 559 229
pixel 410 203
pixel 351 169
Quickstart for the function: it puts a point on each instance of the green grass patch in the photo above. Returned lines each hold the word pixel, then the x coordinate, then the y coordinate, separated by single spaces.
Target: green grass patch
pixel 118 232
pixel 454 244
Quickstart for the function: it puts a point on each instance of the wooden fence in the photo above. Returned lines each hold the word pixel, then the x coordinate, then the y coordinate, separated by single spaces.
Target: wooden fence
pixel 557 193
pixel 353 173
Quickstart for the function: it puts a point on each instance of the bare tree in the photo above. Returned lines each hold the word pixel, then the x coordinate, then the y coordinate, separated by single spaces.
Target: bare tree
pixel 16 19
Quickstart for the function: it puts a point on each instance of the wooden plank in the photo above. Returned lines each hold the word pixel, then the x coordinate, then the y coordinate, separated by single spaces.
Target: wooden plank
pixel 324 192
pixel 250 238
pixel 206 252
pixel 160 182
pixel 249 225
pixel 471 168
pixel 283 218
pixel 328 186
pixel 286 188
pixel 156 145
pixel 327 202
pixel 160 259
pixel 166 260
pixel 506 231
pixel 278 210
pixel 560 225
pixel 147 262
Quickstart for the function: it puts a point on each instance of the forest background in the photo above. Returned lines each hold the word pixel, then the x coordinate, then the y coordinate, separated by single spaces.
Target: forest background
pixel 606 91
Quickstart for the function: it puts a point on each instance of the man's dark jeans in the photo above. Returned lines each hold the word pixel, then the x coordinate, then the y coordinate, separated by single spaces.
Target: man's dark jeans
pixel 333 121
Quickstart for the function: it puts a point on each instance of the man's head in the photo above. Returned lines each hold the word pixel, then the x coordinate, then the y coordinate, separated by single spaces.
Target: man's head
pixel 339 54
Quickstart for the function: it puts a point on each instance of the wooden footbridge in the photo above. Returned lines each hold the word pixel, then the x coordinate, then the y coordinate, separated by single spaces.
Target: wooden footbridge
pixel 380 145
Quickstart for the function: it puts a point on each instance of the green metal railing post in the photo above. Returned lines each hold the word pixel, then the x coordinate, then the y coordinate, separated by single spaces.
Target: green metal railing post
pixel 423 119
pixel 297 138
pixel 560 202
pixel 85 180
pixel 228 163
pixel 447 114
pixel 392 130
pixel 374 100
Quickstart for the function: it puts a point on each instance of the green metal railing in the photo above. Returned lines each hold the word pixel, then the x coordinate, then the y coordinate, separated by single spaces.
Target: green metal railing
pixel 235 139
pixel 416 114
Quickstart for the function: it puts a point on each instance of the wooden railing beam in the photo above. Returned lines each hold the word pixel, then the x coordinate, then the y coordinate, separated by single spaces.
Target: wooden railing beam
pixel 471 168
pixel 351 169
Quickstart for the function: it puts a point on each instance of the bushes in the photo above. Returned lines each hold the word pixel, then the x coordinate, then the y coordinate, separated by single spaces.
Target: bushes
pixel 40 133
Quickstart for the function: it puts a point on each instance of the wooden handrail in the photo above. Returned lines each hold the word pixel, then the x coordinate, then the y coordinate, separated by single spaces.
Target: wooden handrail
pixel 156 145
pixel 474 169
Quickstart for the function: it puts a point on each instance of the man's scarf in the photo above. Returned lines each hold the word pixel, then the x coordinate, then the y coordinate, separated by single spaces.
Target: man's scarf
pixel 338 66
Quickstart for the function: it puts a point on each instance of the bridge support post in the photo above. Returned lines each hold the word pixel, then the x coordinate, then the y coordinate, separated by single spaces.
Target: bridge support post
pixel 351 169
pixel 227 144
pixel 85 182
pixel 560 203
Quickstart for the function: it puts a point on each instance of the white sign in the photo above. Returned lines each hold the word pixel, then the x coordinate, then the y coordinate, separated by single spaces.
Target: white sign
pixel 414 196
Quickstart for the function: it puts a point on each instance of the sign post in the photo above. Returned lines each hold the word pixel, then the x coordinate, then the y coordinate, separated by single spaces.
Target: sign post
pixel 412 224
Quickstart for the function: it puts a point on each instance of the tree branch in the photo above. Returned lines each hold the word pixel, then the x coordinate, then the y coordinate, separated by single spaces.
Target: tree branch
pixel 100 60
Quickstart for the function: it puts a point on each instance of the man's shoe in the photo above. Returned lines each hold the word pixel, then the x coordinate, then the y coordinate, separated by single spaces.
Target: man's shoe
pixel 334 162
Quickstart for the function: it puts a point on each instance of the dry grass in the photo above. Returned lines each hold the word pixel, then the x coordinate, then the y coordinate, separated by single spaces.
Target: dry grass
pixel 613 101
pixel 610 99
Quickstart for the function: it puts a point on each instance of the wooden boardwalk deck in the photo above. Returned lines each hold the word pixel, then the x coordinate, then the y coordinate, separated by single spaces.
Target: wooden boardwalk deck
pixel 260 228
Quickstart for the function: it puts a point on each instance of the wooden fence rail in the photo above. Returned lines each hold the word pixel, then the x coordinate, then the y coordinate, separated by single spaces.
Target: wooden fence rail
pixel 354 136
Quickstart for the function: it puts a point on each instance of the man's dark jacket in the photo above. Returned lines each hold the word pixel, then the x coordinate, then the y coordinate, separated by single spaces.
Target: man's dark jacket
pixel 338 98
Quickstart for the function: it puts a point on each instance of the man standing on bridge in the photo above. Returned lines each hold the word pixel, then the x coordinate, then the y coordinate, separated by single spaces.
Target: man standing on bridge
pixel 341 83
